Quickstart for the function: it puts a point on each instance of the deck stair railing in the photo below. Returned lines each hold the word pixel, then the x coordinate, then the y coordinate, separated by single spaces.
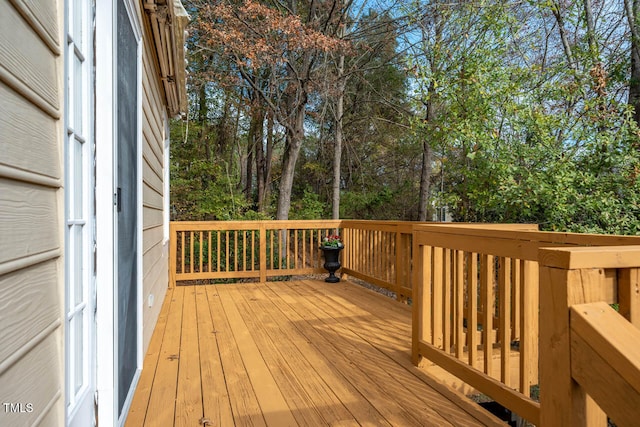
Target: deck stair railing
pixel 476 305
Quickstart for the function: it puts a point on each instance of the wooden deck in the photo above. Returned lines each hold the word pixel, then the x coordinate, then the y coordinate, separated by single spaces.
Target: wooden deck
pixel 291 353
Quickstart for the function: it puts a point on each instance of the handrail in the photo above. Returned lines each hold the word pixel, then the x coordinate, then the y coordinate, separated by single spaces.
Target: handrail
pixel 604 350
pixel 589 357
pixel 475 304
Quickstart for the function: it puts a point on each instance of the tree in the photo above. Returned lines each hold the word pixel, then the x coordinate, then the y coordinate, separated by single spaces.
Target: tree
pixel 274 50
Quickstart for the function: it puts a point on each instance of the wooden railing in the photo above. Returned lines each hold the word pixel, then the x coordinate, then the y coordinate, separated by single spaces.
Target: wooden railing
pixel 475 305
pixel 379 252
pixel 589 354
pixel 246 249
pixel 376 251
pixel 475 297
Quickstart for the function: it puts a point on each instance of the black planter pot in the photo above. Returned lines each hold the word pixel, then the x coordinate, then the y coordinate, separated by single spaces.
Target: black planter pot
pixel 331 262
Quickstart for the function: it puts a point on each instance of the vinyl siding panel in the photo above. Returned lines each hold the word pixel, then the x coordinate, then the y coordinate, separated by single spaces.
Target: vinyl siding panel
pixel 29 304
pixel 31 212
pixel 37 379
pixel 25 57
pixel 42 16
pixel 25 129
pixel 155 261
pixel 28 219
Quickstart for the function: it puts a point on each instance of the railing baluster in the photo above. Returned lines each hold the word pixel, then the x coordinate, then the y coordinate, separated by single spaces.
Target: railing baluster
pixel 505 317
pixel 218 250
pixel 227 259
pixel 182 252
pixel 459 307
pixel 529 322
pixel 436 298
pixel 446 300
pixel 295 242
pixel 191 252
pixel 472 305
pixel 236 250
pixel 201 243
pixel 487 311
pixel 209 252
pixel 515 299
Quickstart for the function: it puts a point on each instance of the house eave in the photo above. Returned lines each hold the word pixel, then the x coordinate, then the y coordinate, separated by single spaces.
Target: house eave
pixel 168 20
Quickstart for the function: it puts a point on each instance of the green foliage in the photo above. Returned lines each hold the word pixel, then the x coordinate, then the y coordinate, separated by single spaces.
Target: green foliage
pixel 516 142
pixel 201 183
pixel 308 207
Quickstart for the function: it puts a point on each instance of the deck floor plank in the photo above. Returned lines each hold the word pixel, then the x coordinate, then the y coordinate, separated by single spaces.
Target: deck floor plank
pixel 313 400
pixel 215 396
pixel 325 362
pixel 292 353
pixel 161 408
pixel 189 392
pixel 243 400
pixel 375 381
pixel 392 345
pixel 140 402
pixel 274 406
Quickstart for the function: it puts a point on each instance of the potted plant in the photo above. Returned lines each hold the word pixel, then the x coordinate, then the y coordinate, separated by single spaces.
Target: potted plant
pixel 331 247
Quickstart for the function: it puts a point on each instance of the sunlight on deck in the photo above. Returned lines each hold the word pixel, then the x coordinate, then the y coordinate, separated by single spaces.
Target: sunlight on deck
pixel 289 353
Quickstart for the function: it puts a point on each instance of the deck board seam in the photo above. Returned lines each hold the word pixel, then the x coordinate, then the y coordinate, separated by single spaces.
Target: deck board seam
pixel 386 379
pixel 375 390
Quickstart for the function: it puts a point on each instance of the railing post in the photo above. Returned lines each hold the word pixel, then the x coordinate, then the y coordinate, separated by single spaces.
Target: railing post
pixel 629 294
pixel 421 296
pixel 529 319
pixel 262 242
pixel 562 401
pixel 399 270
pixel 173 254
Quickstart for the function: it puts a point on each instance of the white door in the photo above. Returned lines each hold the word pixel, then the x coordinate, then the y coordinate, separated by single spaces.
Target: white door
pixel 79 214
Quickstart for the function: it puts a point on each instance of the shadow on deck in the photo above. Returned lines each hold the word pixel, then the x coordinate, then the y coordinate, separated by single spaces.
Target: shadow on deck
pixel 301 353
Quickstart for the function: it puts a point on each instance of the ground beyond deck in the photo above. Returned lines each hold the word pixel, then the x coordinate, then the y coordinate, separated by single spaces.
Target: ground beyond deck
pixel 291 353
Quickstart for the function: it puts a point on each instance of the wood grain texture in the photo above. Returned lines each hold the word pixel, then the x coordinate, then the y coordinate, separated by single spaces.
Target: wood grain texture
pixel 605 360
pixel 27 211
pixel 306 353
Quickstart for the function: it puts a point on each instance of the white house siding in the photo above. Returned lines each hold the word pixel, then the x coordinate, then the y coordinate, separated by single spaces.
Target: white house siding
pixel 31 213
pixel 155 252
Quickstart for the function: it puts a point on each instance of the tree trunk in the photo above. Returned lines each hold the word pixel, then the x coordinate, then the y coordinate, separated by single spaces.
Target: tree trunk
pixel 591 32
pixel 634 83
pixel 295 137
pixel 555 9
pixel 425 180
pixel 263 197
pixel 337 153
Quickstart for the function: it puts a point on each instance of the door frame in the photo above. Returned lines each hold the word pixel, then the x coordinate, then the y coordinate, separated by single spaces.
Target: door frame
pixel 79 45
pixel 106 210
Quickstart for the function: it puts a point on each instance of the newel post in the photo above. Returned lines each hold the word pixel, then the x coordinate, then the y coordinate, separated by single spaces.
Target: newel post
pixel 421 297
pixel 562 401
pixel 173 254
